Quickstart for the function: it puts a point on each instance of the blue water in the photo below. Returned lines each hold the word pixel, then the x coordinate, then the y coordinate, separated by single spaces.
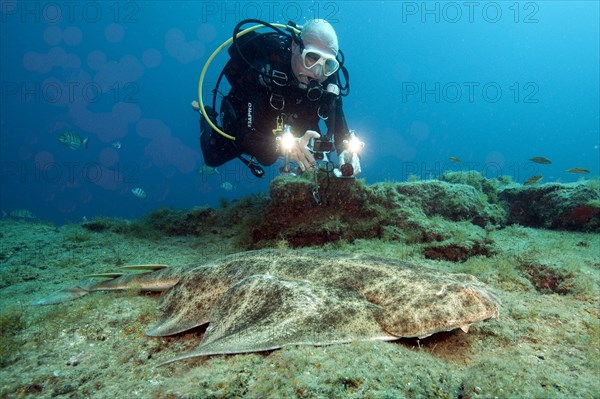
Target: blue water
pixel 492 83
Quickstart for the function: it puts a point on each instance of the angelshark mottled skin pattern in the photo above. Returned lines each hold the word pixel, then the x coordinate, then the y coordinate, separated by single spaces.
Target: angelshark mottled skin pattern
pixel 268 299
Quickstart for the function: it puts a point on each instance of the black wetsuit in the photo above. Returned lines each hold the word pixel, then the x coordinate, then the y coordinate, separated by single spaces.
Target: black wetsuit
pixel 251 109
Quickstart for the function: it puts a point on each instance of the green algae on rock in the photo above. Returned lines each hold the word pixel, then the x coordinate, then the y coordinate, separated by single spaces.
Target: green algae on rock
pixel 574 206
pixel 351 210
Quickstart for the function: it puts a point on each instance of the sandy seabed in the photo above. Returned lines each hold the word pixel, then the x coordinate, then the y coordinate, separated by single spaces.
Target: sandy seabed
pixel 546 343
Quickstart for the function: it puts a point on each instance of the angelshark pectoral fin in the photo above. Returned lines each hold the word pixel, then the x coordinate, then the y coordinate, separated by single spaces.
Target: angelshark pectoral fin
pixel 61 296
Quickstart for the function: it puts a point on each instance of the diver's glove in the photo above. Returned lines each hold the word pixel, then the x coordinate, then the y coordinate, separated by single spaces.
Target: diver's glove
pixel 196 106
pixel 349 165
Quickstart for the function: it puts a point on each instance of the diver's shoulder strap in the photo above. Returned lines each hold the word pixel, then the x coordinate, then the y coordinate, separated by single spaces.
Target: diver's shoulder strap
pixel 256 50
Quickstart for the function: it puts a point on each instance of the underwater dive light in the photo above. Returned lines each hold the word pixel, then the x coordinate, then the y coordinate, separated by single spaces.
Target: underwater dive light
pixel 286 143
pixel 287 138
pixel 353 146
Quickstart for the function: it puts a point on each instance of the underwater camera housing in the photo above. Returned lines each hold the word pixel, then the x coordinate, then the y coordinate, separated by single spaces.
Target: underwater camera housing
pixel 347 170
pixel 320 147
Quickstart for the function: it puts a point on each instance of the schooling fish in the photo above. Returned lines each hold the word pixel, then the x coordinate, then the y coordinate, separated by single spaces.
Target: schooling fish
pixel 19 214
pixel 227 186
pixel 540 160
pixel 72 140
pixel 207 170
pixel 578 171
pixel 533 179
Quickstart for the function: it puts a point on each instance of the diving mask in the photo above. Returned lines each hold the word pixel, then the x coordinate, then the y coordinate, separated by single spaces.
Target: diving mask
pixel 313 57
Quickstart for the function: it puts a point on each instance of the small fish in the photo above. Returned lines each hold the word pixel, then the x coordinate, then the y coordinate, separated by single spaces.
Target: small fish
pixel 533 179
pixel 207 170
pixel 139 192
pixel 578 171
pixel 540 160
pixel 20 214
pixel 72 140
pixel 116 144
pixel 227 186
pixel 454 159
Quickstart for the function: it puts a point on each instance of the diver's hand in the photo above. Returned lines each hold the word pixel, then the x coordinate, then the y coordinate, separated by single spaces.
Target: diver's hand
pixel 195 106
pixel 347 157
pixel 300 152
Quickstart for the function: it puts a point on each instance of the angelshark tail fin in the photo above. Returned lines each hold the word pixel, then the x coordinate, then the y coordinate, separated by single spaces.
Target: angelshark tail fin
pixel 61 296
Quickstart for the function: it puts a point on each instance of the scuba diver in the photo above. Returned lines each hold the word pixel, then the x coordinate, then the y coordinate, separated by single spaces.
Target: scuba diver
pixel 282 84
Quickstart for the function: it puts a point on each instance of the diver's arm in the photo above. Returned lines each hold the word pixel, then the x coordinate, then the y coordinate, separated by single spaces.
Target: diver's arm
pixel 349 162
pixel 259 145
pixel 253 131
pixel 341 131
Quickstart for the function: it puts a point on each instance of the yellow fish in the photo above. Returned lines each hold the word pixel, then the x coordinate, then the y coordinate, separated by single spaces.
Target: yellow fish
pixel 578 170
pixel 454 159
pixel 533 179
pixel 540 160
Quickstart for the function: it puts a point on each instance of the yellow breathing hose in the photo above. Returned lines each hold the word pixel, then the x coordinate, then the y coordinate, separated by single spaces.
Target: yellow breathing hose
pixel 213 55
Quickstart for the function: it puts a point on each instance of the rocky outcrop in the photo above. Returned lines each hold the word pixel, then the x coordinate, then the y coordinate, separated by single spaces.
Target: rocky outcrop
pixel 573 206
